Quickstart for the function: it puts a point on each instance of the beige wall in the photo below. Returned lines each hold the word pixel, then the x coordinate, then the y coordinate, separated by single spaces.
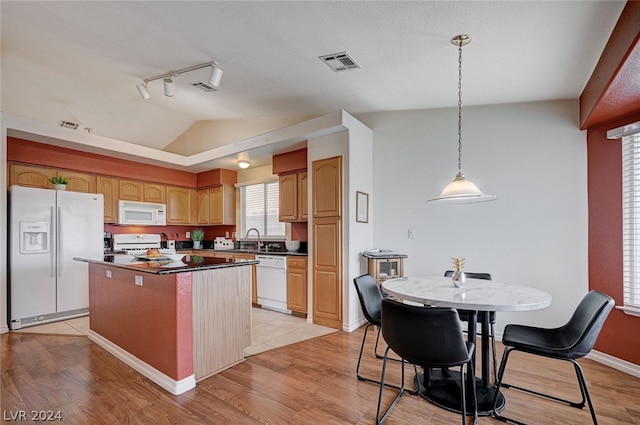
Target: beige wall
pixel 206 135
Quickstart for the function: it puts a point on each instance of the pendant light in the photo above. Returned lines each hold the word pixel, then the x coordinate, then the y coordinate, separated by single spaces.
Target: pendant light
pixel 461 190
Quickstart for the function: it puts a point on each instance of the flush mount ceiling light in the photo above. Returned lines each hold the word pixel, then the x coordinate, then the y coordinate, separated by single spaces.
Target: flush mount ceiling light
pixel 243 163
pixel 211 85
pixel 460 190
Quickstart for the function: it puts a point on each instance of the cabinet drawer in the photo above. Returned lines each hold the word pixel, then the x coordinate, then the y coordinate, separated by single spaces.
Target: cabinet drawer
pixel 296 262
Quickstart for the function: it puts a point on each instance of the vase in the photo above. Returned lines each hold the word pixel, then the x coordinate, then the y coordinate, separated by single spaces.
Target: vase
pixel 60 186
pixel 197 244
pixel 458 278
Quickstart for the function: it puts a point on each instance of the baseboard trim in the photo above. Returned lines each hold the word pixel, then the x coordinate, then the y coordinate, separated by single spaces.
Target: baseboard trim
pixel 350 327
pixel 606 359
pixel 169 384
pixel 4 329
pixel 614 362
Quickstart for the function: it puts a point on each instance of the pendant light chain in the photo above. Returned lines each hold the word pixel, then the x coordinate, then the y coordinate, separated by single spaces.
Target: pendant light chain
pixel 460 108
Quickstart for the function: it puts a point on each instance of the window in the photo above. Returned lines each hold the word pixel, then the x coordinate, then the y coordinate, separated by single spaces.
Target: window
pixel 259 208
pixel 631 222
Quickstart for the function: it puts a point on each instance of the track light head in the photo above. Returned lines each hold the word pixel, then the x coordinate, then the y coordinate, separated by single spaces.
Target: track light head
pixel 215 77
pixel 142 89
pixel 168 87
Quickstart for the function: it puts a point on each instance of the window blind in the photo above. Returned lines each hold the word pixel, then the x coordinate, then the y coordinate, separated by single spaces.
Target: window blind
pixel 631 222
pixel 260 208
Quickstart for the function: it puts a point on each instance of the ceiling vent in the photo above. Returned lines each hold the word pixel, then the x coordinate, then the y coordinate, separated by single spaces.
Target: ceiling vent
pixel 68 124
pixel 204 86
pixel 340 61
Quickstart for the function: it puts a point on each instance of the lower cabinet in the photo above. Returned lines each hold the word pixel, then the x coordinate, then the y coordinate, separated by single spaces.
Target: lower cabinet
pixel 297 284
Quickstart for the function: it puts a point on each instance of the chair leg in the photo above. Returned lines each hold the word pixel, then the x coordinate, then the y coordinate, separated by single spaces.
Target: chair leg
pixel 364 340
pixel 581 382
pixel 380 419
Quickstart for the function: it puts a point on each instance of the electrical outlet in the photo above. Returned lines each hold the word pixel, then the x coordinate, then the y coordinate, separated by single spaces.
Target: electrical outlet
pixel 411 233
pixel 139 280
pixel 188 235
pixel 109 274
pixel 226 235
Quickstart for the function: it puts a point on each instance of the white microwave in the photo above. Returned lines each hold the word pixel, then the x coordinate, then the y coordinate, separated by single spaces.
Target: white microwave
pixel 141 213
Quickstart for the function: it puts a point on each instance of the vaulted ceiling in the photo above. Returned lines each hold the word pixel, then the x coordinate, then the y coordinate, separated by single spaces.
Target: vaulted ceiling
pixel 81 61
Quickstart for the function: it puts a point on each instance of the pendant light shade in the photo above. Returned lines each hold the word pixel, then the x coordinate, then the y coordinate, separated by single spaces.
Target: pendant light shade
pixel 460 190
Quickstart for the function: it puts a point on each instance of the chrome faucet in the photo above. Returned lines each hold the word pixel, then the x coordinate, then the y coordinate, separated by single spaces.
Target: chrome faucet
pixel 246 236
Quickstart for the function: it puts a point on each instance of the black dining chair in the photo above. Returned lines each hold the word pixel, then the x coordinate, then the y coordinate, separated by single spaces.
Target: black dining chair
pixel 464 316
pixel 427 337
pixel 370 298
pixel 569 342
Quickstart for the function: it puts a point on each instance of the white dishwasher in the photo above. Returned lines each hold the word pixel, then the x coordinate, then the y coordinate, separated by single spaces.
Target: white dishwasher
pixel 271 280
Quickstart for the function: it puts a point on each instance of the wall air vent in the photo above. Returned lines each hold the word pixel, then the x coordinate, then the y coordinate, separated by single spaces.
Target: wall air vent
pixel 204 86
pixel 68 124
pixel 340 61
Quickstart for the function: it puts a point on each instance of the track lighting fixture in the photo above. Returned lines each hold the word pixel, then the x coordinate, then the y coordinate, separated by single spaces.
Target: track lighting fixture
pixel 211 85
pixel 215 77
pixel 142 89
pixel 168 87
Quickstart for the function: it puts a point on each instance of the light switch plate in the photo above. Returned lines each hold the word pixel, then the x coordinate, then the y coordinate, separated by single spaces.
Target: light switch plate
pixel 109 274
pixel 188 234
pixel 139 280
pixel 411 233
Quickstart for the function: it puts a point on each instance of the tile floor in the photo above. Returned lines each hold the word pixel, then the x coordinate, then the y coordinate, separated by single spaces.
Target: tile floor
pixel 269 330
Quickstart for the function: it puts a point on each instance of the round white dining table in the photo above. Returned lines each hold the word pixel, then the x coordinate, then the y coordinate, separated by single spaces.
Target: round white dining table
pixel 479 296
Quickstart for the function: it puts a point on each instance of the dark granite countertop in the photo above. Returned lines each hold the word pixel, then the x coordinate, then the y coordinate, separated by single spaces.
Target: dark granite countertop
pixel 253 251
pixel 189 263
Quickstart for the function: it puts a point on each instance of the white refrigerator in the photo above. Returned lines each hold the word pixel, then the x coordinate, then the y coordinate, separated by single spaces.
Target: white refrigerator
pixel 47 229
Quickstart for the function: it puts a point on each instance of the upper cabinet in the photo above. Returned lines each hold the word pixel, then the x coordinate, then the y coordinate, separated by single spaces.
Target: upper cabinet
pixel 28 175
pixel 153 192
pixel 293 196
pixel 130 190
pixel 327 187
pixel 108 186
pixel 133 190
pixel 217 205
pixel 33 176
pixel 182 205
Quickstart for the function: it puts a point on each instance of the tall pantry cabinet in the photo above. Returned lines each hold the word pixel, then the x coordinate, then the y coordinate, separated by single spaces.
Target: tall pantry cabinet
pixel 327 241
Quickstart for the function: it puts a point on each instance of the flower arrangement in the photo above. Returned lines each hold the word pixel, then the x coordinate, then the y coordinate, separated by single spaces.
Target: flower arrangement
pixel 197 234
pixel 59 180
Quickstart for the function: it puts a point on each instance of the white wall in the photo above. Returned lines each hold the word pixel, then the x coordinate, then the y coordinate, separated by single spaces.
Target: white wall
pixel 531 155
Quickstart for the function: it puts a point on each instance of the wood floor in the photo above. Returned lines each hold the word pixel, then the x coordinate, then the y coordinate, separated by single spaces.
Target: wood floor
pixel 311 382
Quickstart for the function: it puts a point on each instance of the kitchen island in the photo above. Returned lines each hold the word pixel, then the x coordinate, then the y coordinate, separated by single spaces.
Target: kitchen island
pixel 174 322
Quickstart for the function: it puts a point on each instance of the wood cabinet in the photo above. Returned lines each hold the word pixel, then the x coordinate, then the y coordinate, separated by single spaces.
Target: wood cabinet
pixel 217 205
pixel 134 190
pixel 297 284
pixel 327 242
pixel 30 176
pixel 303 197
pixel 34 176
pixel 385 268
pixel 130 190
pixel 182 205
pixel 293 196
pixel 327 187
pixel 108 186
pixel 153 192
pixel 78 182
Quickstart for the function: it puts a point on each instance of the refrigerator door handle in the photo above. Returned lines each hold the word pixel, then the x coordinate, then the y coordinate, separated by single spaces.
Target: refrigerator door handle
pixel 59 238
pixel 52 252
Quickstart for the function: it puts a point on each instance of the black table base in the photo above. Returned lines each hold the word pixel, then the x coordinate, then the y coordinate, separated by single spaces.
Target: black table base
pixel 444 391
